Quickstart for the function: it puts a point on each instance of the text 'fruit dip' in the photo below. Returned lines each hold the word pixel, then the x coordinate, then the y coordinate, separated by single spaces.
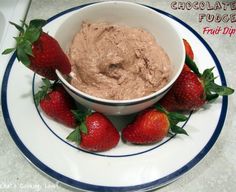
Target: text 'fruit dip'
pixel 117 62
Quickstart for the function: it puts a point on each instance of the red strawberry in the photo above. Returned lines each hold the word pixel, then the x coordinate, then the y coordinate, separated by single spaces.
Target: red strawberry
pixel 56 103
pixel 187 93
pixel 193 89
pixel 39 51
pixel 95 133
pixel 152 125
pixel 189 53
pixel 186 68
pixel 169 101
pixel 188 49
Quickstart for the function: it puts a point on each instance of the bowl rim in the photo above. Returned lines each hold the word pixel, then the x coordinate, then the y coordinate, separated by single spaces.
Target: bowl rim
pixel 148 97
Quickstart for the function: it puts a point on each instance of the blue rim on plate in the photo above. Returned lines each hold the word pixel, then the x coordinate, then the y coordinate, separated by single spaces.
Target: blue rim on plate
pixel 90 187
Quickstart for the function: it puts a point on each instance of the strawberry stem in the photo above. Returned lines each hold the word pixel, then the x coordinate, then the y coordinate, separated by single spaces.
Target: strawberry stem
pixel 212 90
pixel 174 118
pixel 28 35
pixel 75 136
pixel 44 89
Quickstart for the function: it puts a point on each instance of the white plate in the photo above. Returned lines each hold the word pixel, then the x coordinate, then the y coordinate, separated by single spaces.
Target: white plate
pixel 126 167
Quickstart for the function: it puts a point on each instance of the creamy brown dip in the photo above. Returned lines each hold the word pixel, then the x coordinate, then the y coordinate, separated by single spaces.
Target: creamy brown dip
pixel 117 62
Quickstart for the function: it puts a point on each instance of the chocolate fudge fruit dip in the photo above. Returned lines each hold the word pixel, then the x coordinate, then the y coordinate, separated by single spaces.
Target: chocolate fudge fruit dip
pixel 117 62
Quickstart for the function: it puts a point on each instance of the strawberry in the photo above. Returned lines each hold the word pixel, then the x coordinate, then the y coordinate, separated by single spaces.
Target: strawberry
pixel 193 89
pixel 186 94
pixel 39 51
pixel 169 101
pixel 152 125
pixel 56 103
pixel 186 68
pixel 95 132
pixel 188 49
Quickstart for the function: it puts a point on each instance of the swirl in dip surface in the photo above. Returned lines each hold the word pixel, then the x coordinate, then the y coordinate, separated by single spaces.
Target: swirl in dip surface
pixel 117 62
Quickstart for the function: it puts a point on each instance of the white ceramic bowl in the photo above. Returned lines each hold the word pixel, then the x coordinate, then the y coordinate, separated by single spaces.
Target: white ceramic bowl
pixel 133 15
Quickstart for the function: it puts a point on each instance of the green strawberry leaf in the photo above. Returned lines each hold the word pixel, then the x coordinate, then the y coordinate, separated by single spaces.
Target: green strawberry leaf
pixel 174 116
pixel 23 50
pixel 37 23
pixel 75 136
pixel 38 96
pixel 79 115
pixel 83 128
pixel 160 108
pixel 22 56
pixel 18 27
pixel 220 90
pixel 44 89
pixel 171 115
pixel 34 30
pixel 47 82
pixel 32 34
pixel 178 130
pixel 28 35
pixel 27 47
pixel 211 97
pixel 192 65
pixel 212 89
pixel 174 119
pixel 208 75
pixel 7 51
